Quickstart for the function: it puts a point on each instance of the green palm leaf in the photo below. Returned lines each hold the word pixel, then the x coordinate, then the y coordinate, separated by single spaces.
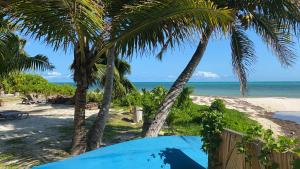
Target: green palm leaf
pixel 147 24
pixel 243 55
pixel 275 37
pixel 57 22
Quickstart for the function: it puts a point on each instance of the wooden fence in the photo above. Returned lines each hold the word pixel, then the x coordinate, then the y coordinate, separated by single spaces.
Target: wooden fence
pixel 229 157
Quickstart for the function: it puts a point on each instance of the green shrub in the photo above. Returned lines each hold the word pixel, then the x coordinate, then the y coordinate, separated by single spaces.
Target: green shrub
pixel 218 105
pixel 28 83
pixel 213 124
pixel 130 100
pixel 150 103
pixel 94 97
pixel 184 100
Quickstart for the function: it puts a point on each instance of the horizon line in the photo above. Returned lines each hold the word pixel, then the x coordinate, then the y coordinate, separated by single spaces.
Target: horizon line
pixel 192 81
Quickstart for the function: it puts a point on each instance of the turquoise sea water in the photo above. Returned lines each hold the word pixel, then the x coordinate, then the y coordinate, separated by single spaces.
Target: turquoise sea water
pixel 255 89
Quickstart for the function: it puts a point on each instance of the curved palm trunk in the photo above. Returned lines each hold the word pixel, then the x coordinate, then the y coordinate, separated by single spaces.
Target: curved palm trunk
pixel 80 77
pixel 96 132
pixel 178 85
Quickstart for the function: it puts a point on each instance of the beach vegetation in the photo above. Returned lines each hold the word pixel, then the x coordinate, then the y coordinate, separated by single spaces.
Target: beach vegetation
pixel 185 117
pixel 6 157
pixel 269 143
pixel 94 97
pixel 218 105
pixel 32 83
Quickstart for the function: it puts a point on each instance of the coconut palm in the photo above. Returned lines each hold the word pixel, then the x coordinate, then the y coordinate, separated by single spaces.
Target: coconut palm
pixel 272 20
pixel 143 26
pixel 64 24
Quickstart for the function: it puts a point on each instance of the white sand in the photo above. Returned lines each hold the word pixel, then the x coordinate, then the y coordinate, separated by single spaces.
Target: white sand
pixel 256 107
pixel 273 104
pixel 40 131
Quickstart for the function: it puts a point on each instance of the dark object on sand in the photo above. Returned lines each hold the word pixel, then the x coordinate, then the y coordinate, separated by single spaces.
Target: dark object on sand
pixel 127 120
pixel 61 100
pixel 13 115
pixel 33 99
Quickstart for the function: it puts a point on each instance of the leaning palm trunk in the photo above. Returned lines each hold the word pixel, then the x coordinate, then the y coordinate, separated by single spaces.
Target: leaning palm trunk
pixel 178 85
pixel 80 77
pixel 96 132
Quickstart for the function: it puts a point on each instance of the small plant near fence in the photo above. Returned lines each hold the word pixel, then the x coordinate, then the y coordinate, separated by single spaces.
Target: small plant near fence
pixel 268 143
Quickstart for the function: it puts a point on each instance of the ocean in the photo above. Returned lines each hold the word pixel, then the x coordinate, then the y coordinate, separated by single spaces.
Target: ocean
pixel 255 89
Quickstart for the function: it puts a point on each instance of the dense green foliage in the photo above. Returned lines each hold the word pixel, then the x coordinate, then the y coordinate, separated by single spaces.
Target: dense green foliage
pixel 218 105
pixel 269 143
pixel 131 99
pixel 185 117
pixel 187 120
pixel 28 83
pixel 213 125
pixel 94 97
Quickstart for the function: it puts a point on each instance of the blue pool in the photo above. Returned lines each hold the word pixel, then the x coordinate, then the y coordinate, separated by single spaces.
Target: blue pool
pixel 168 152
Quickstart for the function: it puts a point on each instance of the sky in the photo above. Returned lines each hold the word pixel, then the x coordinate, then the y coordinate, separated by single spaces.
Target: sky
pixel 215 65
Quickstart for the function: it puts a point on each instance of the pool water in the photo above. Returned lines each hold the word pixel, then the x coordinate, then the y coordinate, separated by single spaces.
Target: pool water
pixel 288 115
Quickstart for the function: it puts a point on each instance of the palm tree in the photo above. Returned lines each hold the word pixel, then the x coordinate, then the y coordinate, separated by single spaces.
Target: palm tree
pixel 64 24
pixel 272 20
pixel 13 57
pixel 121 85
pixel 143 26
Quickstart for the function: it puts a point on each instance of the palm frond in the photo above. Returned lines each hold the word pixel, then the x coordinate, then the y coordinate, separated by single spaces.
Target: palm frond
pixel 145 25
pixel 276 38
pixel 285 12
pixel 57 22
pixel 243 55
pixel 23 62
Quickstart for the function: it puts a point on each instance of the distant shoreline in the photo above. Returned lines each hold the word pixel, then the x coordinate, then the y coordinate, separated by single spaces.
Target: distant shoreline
pixel 281 89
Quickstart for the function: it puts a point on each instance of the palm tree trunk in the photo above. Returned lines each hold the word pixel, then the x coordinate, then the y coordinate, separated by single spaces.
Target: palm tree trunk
pixel 4 3
pixel 80 77
pixel 178 85
pixel 96 132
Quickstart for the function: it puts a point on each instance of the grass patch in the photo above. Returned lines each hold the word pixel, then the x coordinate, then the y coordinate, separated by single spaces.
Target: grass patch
pixel 5 157
pixel 238 121
pixel 188 120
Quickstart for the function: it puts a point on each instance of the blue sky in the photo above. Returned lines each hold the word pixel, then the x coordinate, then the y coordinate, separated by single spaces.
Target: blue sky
pixel 215 66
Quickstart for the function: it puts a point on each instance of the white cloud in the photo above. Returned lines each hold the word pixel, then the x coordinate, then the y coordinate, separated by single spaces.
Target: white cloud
pixel 171 77
pixel 207 75
pixel 53 74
